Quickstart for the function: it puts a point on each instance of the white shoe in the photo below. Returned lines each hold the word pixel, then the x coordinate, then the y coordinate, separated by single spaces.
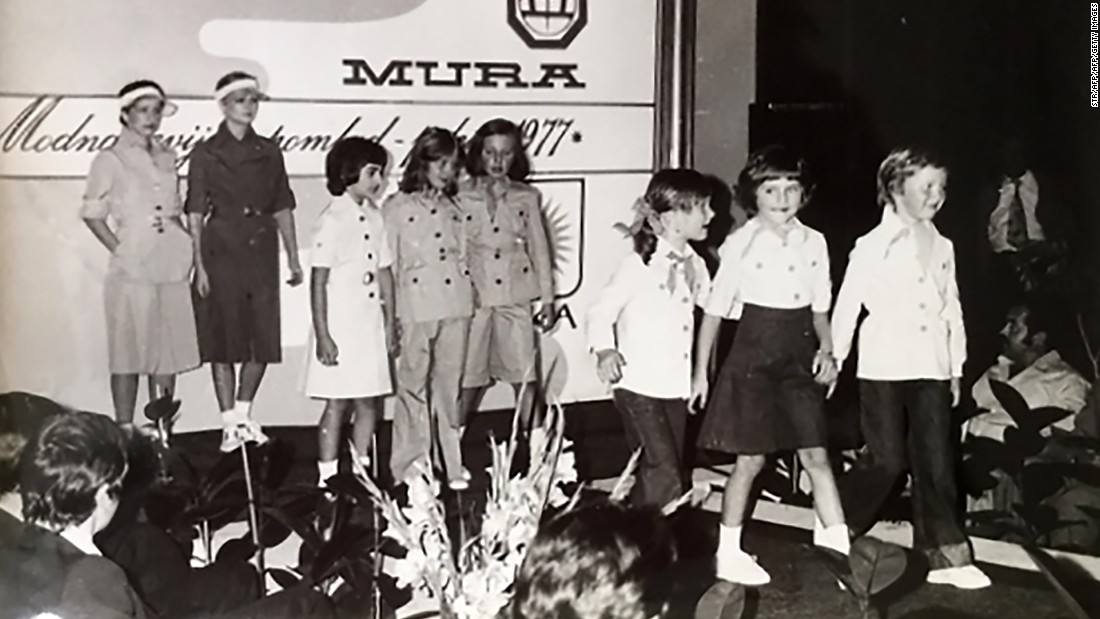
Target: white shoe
pixel 459 484
pixel 467 475
pixel 248 431
pixel 740 567
pixel 964 577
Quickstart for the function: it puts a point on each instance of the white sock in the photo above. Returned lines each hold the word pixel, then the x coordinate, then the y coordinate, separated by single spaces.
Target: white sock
pixel 244 409
pixel 231 417
pixel 326 470
pixel 365 461
pixel 729 538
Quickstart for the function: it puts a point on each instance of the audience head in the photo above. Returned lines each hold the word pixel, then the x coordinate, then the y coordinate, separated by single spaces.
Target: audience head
pixel 913 183
pixel 1013 156
pixel 602 561
pixel 72 471
pixel 496 150
pixel 21 416
pixel 1026 335
pixel 775 178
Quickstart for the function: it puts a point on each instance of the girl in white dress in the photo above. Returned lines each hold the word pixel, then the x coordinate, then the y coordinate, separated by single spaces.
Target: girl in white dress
pixel 351 292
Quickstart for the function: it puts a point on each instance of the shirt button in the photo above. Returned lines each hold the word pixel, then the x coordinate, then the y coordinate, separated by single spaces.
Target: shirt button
pixel 496 229
pixel 442 257
pixel 791 268
pixel 447 281
pixel 797 296
pixel 923 306
pixel 438 235
pixel 525 269
pixel 158 207
pixel 686 300
pixel 920 280
pixel 759 265
pixel 370 256
pixel 923 328
pixel 687 328
pixel 416 280
pixel 432 211
pixel 687 356
pixel 362 218
pixel 660 286
pixel 370 295
pixel 497 255
pixel 412 219
pixel 499 282
pixel 160 230
pixel 469 218
pixel 366 237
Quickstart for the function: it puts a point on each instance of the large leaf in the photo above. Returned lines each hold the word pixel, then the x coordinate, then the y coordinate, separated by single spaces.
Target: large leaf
pixel 394 596
pixel 278 462
pixel 1044 416
pixel 724 600
pixel 225 469
pixel 1011 401
pixel 876 564
pixel 1020 444
pixel 1083 443
pixel 237 549
pixel 347 486
pixel 162 408
pixel 349 540
pixel 1076 589
pixel 284 578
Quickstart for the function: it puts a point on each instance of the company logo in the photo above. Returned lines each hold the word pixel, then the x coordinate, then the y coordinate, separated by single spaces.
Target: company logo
pixel 547 24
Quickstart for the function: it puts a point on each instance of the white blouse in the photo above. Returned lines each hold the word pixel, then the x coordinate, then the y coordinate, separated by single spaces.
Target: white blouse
pixel 759 266
pixel 914 328
pixel 651 325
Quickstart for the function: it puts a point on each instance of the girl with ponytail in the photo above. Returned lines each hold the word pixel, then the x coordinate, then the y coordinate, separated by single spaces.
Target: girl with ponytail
pixel 641 327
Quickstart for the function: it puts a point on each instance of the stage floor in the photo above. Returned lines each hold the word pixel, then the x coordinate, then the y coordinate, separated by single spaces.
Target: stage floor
pixel 801 587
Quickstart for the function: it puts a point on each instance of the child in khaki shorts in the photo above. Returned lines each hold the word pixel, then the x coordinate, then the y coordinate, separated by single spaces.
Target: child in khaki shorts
pixel 510 267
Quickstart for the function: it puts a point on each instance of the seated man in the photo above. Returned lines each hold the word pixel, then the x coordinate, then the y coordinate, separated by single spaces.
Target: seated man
pixel 1029 364
pixel 21 415
pixel 69 482
pixel 602 561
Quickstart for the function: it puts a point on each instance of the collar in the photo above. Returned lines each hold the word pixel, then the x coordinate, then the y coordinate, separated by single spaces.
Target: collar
pixel 79 537
pixel 128 138
pixel 797 234
pixel 224 137
pixel 894 228
pixel 664 248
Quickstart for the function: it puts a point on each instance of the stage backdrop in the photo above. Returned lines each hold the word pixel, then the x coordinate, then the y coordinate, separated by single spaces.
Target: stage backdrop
pixel 578 76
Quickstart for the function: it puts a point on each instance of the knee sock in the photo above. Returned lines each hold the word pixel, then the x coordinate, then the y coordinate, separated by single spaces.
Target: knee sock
pixel 729 539
pixel 326 470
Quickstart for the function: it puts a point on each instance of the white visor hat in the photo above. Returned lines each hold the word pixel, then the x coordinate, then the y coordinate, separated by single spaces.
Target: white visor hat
pixel 245 83
pixel 128 99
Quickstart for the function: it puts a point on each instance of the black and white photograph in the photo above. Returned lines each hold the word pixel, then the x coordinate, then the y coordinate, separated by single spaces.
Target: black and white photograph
pixel 538 309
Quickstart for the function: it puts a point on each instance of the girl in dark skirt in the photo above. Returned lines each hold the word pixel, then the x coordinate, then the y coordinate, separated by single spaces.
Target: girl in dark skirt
pixel 770 393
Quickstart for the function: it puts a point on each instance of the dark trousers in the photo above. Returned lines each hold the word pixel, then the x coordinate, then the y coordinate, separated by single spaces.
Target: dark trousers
pixel 657 426
pixel 907 426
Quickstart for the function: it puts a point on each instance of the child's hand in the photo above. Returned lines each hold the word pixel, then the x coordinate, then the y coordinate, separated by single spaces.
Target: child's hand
pixel 824 368
pixel 609 365
pixel 327 352
pixel 545 316
pixel 296 276
pixel 956 392
pixel 700 389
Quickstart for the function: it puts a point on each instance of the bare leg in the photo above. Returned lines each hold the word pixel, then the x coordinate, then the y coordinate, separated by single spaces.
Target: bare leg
pixel 367 412
pixel 225 385
pixel 525 400
pixel 826 496
pixel 124 388
pixel 471 400
pixel 161 385
pixel 738 486
pixel 328 431
pixel 251 375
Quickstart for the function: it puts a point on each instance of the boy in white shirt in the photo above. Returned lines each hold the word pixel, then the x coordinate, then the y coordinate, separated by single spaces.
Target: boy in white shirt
pixel 912 347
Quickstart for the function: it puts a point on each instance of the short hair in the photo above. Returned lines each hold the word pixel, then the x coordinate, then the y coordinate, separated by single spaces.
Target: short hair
pixel 346 160
pixel 521 163
pixel 21 416
pixel 433 144
pixel 602 561
pixel 73 456
pixel 770 163
pixel 899 165
pixel 671 189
